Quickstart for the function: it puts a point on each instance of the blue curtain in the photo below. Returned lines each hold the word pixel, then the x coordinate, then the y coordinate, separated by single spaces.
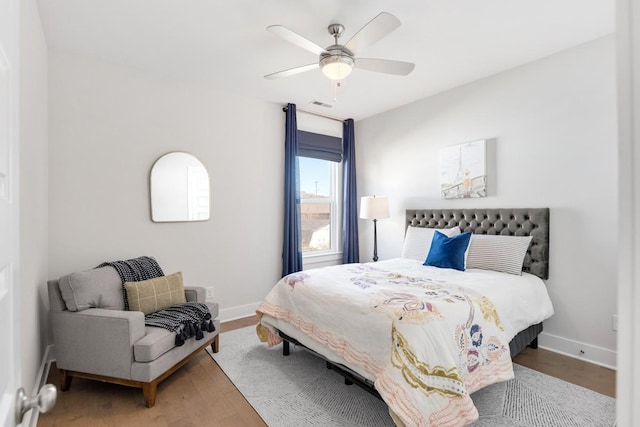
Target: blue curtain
pixel 350 247
pixel 291 248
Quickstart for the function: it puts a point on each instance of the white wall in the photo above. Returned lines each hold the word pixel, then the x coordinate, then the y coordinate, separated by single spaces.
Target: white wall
pixel 108 125
pixel 555 145
pixel 553 126
pixel 33 192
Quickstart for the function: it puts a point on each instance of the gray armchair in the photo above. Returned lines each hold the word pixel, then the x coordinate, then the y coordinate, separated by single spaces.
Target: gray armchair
pixel 106 343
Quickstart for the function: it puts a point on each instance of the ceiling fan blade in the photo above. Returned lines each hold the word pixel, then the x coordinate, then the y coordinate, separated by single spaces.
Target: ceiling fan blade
pixel 291 71
pixel 295 38
pixel 373 31
pixel 385 66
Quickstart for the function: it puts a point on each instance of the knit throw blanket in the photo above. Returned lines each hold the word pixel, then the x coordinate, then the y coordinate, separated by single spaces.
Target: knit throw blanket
pixel 186 320
pixel 134 270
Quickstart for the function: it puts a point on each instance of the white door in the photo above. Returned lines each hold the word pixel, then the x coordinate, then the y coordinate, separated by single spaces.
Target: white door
pixel 9 227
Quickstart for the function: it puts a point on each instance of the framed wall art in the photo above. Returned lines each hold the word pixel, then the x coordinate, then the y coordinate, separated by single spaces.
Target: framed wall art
pixel 463 172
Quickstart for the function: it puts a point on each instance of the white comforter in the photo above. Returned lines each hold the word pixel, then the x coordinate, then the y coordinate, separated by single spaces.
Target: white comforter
pixel 428 337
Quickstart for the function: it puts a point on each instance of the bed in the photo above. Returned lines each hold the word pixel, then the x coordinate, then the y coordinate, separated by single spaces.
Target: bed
pixel 423 337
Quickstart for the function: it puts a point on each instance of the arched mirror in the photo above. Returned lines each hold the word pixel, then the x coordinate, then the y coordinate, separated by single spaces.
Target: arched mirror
pixel 179 189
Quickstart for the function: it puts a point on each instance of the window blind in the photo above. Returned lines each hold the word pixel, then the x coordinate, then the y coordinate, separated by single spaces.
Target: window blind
pixel 318 146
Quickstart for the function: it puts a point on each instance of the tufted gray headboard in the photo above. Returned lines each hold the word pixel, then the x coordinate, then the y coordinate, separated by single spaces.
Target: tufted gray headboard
pixel 506 222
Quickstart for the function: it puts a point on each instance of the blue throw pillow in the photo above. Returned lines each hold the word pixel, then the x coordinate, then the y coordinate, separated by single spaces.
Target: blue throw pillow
pixel 448 252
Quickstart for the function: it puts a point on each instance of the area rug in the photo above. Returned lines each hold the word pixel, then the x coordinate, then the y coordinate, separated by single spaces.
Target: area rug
pixel 298 390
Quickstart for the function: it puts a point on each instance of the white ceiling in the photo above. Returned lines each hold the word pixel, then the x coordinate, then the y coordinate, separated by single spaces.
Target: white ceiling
pixel 225 43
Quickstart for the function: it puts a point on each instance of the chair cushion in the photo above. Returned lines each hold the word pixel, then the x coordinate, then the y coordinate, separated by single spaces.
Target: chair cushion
pixel 149 296
pixel 158 341
pixel 95 288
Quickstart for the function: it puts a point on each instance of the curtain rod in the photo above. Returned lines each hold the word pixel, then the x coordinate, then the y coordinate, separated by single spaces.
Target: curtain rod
pixel 315 114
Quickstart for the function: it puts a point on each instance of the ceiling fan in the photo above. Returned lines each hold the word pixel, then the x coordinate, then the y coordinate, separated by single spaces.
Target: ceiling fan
pixel 337 61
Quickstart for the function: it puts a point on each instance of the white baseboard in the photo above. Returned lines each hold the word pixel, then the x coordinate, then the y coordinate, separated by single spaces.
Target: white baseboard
pixel 238 312
pixel 31 417
pixel 578 350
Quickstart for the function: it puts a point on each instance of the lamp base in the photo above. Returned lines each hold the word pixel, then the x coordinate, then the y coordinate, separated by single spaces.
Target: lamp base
pixel 375 241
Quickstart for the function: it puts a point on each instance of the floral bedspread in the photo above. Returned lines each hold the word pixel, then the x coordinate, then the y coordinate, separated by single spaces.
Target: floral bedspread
pixel 427 343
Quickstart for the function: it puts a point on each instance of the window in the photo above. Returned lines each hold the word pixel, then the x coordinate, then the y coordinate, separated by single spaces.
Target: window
pixel 320 209
pixel 320 165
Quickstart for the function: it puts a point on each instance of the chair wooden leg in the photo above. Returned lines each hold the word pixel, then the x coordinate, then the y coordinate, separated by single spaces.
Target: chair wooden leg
pixel 149 391
pixel 65 380
pixel 215 345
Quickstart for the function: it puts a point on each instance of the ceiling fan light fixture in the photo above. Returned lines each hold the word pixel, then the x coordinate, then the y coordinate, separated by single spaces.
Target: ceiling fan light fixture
pixel 337 67
pixel 337 61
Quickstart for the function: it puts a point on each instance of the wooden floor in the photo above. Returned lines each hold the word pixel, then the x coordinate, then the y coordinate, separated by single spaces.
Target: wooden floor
pixel 200 394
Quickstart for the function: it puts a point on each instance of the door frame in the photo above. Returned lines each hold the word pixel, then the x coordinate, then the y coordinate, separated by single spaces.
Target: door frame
pixel 628 339
pixel 10 199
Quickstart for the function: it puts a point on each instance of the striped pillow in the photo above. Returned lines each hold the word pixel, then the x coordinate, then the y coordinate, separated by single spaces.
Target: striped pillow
pixel 498 253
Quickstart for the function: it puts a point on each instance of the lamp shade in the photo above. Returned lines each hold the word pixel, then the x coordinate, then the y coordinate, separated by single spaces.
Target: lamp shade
pixel 372 207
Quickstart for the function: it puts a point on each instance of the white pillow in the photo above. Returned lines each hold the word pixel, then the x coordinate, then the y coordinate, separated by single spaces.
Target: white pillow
pixel 417 241
pixel 498 253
